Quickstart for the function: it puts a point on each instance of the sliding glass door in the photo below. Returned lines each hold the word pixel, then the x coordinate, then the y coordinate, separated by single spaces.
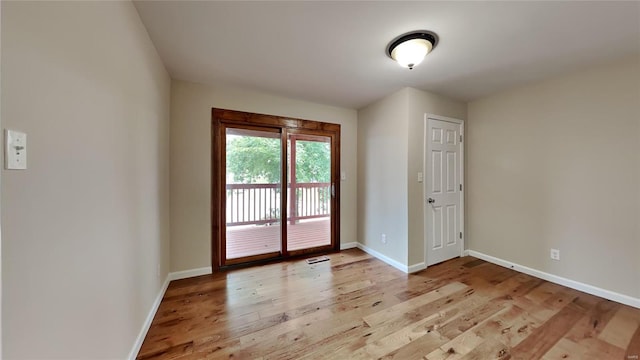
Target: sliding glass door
pixel 253 188
pixel 309 217
pixel 274 191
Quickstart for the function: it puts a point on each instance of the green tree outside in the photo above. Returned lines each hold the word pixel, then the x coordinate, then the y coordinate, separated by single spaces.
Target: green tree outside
pixel 254 159
pixel 313 162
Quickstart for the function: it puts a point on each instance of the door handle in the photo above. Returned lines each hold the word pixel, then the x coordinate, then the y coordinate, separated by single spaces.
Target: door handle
pixel 431 201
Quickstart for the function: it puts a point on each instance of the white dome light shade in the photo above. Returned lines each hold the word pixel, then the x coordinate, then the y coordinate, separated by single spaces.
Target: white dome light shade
pixel 411 53
pixel 410 49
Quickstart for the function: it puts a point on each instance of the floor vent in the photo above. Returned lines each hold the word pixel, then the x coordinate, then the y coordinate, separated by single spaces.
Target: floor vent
pixel 317 259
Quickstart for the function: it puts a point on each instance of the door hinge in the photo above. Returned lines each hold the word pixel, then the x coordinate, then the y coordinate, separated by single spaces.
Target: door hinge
pixel 460 187
pixel 460 137
pixel 460 234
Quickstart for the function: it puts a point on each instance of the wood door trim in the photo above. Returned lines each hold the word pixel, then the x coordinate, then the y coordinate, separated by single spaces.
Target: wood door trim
pixel 252 258
pixel 216 155
pixel 287 125
pixel 239 117
pixel 284 198
pixel 313 250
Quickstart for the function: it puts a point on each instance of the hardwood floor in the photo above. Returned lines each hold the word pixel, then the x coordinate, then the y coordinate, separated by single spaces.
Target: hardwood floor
pixel 357 307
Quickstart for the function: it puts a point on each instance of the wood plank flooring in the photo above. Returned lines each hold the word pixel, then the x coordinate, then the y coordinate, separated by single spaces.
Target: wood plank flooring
pixel 357 307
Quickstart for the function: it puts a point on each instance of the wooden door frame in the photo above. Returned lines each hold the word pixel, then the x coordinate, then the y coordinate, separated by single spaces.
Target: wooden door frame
pixel 427 172
pixel 222 117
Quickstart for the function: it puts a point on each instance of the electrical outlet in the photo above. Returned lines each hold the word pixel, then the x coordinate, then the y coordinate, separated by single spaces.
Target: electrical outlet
pixel 555 254
pixel 383 238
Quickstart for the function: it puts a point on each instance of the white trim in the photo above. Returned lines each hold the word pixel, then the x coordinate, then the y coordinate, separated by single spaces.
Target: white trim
pixel 147 322
pixel 589 289
pixel 178 275
pixel 349 245
pixel 417 267
pixel 396 264
pixel 425 150
pixel 156 304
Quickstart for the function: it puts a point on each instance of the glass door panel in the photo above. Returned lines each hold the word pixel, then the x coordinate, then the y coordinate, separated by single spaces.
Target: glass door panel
pixel 253 194
pixel 275 191
pixel 309 192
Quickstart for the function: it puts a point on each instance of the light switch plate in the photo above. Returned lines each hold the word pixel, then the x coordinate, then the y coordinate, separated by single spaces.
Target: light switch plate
pixel 343 175
pixel 15 152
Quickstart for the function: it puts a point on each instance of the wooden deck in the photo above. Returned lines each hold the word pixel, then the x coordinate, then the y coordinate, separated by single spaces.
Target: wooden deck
pixel 260 239
pixel 357 307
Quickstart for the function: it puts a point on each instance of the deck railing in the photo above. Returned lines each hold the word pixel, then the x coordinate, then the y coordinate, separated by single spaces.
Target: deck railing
pixel 260 203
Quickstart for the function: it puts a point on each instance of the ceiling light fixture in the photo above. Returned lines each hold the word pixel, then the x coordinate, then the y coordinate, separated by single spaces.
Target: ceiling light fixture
pixel 410 49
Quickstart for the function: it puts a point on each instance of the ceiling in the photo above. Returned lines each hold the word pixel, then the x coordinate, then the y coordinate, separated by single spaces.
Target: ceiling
pixel 334 52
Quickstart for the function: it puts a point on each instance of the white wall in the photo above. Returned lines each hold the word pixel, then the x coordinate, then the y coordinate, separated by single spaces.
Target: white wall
pixel 557 165
pixel 382 175
pixel 86 225
pixel 191 160
pixel 390 155
pixel 0 187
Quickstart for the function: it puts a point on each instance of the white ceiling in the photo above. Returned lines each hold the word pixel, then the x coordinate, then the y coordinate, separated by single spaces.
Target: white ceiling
pixel 334 52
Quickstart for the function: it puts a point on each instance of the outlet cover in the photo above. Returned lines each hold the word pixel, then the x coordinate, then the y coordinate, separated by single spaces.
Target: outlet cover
pixel 555 254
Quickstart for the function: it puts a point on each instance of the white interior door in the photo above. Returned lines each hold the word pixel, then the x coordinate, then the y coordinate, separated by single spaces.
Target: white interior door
pixel 443 189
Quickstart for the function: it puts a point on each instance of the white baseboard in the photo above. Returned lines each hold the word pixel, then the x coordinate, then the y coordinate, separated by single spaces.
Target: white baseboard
pixel 156 304
pixel 589 289
pixel 147 322
pixel 396 264
pixel 417 267
pixel 190 273
pixel 350 245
